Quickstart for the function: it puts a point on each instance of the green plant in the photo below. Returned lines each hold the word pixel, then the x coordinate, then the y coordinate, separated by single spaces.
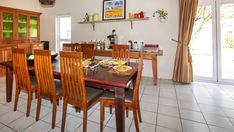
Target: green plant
pixel 230 42
pixel 162 13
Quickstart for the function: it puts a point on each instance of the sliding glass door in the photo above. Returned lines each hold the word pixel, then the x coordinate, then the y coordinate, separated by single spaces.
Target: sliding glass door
pixel 226 40
pixel 203 43
pixel 212 44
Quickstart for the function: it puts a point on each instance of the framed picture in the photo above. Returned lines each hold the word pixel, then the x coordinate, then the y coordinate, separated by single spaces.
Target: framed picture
pixel 113 9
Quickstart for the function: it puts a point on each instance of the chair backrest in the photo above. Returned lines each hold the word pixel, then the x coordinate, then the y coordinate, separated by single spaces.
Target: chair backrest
pixel 20 69
pixel 77 47
pixel 44 73
pixel 88 50
pixel 27 47
pixel 121 52
pixel 138 78
pixel 68 47
pixel 71 71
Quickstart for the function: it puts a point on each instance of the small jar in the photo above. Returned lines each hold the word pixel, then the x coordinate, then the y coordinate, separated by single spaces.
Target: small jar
pixel 90 18
pixel 96 17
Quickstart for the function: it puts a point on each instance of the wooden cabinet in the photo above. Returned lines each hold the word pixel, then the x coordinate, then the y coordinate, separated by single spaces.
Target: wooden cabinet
pixel 18 28
pixel 19 25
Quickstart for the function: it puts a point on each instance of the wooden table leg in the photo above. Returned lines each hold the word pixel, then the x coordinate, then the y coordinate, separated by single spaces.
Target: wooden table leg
pixel 119 109
pixel 155 69
pixel 9 84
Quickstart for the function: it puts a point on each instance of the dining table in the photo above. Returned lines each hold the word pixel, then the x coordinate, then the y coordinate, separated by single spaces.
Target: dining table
pixel 98 77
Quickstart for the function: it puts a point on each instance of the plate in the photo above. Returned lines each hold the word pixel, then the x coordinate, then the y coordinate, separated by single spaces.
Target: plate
pixel 89 64
pixel 122 68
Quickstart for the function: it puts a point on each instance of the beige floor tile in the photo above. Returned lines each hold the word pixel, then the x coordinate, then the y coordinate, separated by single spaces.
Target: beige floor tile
pixel 4 109
pixel 169 122
pixel 167 110
pixel 192 115
pixel 219 129
pixel 218 121
pixel 22 123
pixel 112 123
pixel 163 129
pixel 72 123
pixel 39 126
pixel 6 129
pixel 10 116
pixel 144 127
pixel 190 126
pixel 91 127
pixel 48 117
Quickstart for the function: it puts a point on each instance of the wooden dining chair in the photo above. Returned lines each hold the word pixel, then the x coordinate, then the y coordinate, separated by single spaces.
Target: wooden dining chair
pixel 88 50
pixel 48 87
pixel 68 47
pixel 121 52
pixel 131 99
pixel 24 82
pixel 77 47
pixel 74 90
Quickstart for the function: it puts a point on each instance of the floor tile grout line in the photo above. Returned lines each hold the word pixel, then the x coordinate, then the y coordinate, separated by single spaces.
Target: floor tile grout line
pixel 169 128
pixel 159 88
pixel 201 110
pixel 178 107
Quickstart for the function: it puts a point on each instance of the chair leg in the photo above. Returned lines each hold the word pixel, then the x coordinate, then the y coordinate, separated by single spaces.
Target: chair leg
pixel 139 111
pixel 126 111
pixel 85 116
pixel 64 116
pixel 17 92
pixel 58 101
pixel 54 113
pixel 135 119
pixel 77 109
pixel 101 115
pixel 110 109
pixel 29 104
pixel 38 107
pixel 35 94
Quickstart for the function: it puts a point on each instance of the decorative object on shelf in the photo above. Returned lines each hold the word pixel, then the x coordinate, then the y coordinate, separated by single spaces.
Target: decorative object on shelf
pixel 113 9
pixel 136 15
pixel 47 2
pixel 162 15
pixel 86 18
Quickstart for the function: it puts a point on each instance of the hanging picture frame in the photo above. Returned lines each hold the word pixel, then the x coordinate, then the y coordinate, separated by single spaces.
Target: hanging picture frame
pixel 113 9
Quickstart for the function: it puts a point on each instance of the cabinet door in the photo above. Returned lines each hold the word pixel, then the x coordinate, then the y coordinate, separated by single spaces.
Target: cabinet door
pixel 8 25
pixel 22 26
pixel 33 27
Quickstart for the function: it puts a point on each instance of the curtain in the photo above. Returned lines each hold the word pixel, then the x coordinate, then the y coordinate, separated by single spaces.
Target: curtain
pixel 183 71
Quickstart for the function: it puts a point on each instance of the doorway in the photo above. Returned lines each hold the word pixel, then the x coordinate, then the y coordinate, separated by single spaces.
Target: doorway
pixel 63 31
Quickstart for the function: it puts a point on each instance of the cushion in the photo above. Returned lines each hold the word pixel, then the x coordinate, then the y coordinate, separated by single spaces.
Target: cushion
pixel 33 80
pixel 92 93
pixel 58 86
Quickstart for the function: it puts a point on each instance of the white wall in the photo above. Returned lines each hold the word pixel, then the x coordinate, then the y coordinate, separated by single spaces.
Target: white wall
pixel 32 5
pixel 151 31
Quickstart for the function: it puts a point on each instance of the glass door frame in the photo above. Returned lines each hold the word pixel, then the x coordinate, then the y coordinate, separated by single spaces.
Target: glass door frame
pixel 57 32
pixel 214 41
pixel 219 46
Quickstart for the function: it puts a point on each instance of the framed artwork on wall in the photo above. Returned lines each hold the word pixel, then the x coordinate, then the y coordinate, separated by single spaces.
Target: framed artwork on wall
pixel 113 9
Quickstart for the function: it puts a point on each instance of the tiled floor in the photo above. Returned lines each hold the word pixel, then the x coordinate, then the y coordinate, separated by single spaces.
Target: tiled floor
pixel 167 107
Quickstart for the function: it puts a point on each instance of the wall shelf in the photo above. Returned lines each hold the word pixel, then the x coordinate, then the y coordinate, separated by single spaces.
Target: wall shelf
pixel 108 21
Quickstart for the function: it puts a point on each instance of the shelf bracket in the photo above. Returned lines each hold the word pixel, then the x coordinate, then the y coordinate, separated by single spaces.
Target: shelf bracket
pixel 131 24
pixel 93 25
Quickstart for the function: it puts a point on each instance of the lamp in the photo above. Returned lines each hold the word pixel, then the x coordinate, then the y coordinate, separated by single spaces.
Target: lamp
pixel 47 2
